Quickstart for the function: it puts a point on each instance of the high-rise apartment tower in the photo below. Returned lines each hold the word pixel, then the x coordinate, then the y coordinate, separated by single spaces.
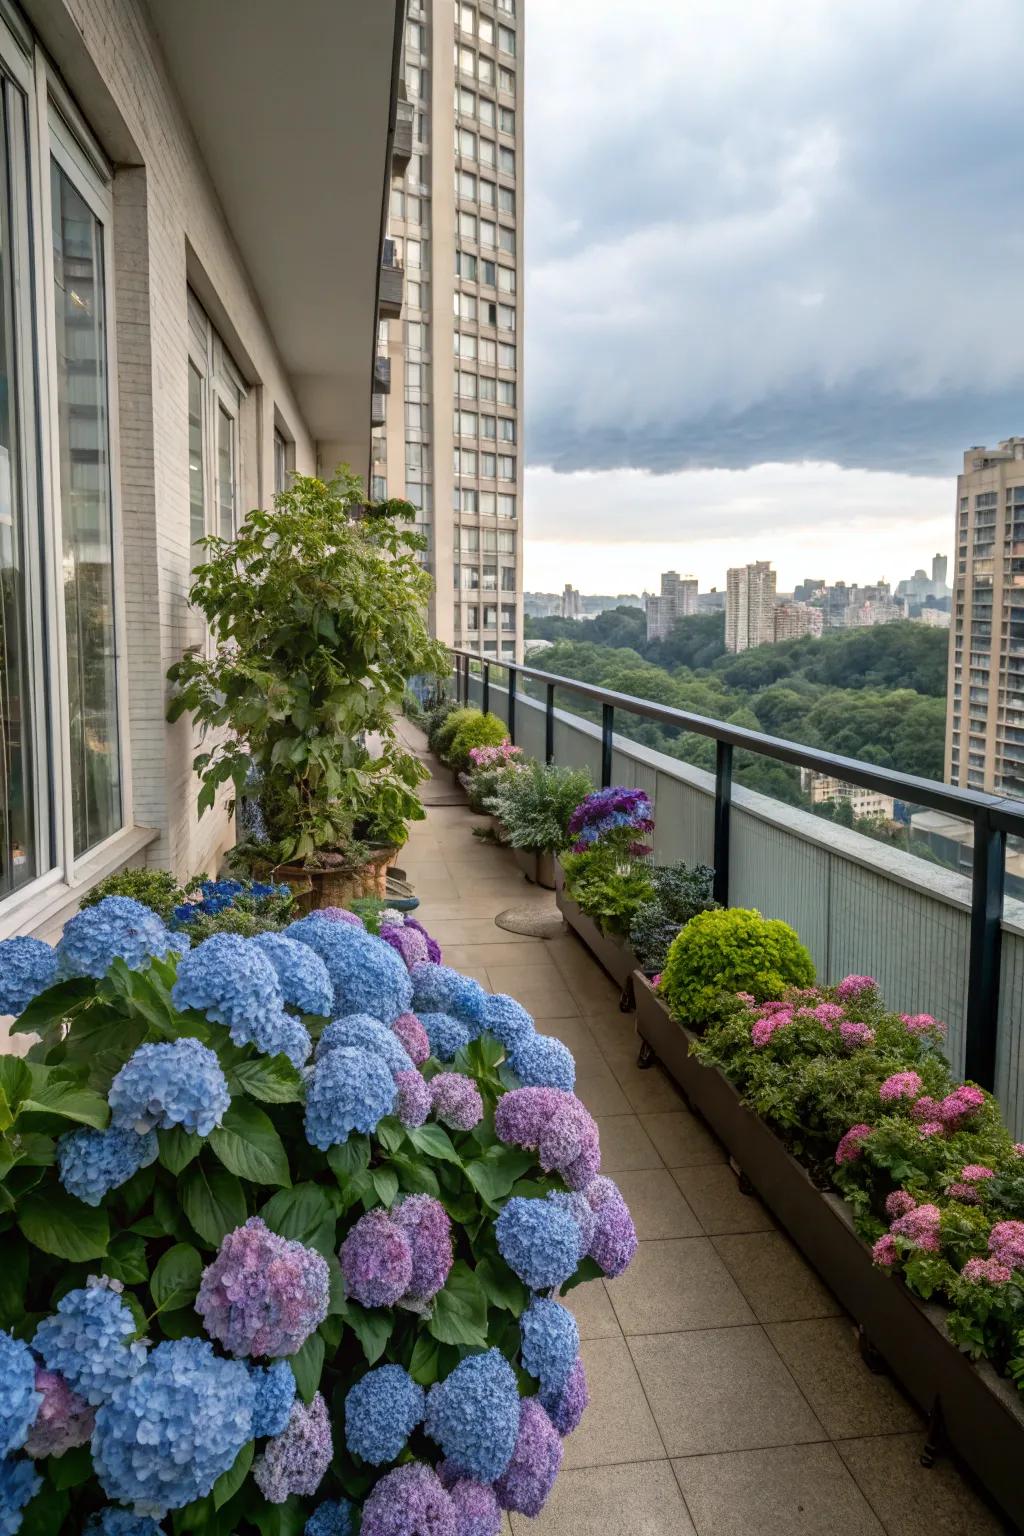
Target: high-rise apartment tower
pixel 985 717
pixel 677 600
pixel 750 606
pixel 450 435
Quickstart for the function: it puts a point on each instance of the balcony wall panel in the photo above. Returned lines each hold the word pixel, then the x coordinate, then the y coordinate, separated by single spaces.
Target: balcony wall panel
pixel 1010 1059
pixel 781 876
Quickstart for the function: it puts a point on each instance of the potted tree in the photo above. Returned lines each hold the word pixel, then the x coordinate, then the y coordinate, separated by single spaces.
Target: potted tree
pixel 317 613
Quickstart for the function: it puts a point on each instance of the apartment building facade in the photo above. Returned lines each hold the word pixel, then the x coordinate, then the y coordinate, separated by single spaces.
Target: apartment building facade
pixel 749 606
pixel 676 600
pixel 451 435
pixel 185 319
pixel 985 714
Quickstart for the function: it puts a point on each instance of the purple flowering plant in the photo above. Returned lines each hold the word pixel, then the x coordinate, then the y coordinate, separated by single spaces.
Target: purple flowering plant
pixel 254 1270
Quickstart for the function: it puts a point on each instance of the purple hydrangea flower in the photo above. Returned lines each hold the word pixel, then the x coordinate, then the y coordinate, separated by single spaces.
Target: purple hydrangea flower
pixel 366 974
pixel 477 1512
pixel 433 947
pixel 541 1061
pixel 296 1460
pixel 166 1435
pixel 376 1261
pixel 538 1241
pixel 413 1036
pixel 474 1415
pixel 550 1343
pixel 64 1420
pixel 407 943
pixel 263 1294
pixel 19 1400
pixel 116 928
pixel 348 1090
pixel 410 1501
pixel 456 1100
pixel 566 1408
pixel 413 1098
pixel 381 1412
pixel 507 1020
pixel 175 1082
pixel 94 1162
pixel 274 1393
pixel 569 1143
pixel 27 967
pixel 428 1230
pixel 522 1114
pixel 339 915
pixel 19 1482
pixel 87 1341
pixel 331 1518
pixel 614 1241
pixel 439 989
pixel 530 1476
pixel 301 973
pixel 447 1035
pixel 359 1032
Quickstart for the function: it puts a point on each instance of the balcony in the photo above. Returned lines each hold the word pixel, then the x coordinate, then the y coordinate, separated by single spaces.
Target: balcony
pixel 401 151
pixel 382 375
pixel 720 1334
pixel 378 409
pixel 392 284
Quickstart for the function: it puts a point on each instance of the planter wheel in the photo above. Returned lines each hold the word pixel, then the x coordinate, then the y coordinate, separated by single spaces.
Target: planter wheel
pixel 935 1438
pixel 870 1353
pixel 627 1000
pixel 645 1056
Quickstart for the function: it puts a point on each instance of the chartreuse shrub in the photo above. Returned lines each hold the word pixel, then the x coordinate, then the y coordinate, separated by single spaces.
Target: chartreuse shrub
pixel 474 729
pixel 284 1224
pixel 865 1098
pixel 721 953
pixel 155 888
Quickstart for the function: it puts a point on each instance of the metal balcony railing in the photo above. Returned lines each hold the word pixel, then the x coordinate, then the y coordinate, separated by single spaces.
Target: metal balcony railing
pixel 992 817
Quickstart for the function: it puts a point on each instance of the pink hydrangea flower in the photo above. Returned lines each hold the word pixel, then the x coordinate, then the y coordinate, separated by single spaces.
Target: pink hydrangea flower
pixel 989 1271
pixel 747 999
pixel 1018 1147
pixel 854 986
pixel 920 1023
pixel 762 1031
pixel 920 1227
pixel 851 1145
pixel 933 1128
pixel 854 1035
pixel 975 1172
pixel 899 1203
pixel 263 1294
pixel 775 1007
pixel 926 1109
pixel 901 1085
pixel 960 1105
pixel 885 1251
pixel 1006 1243
pixel 413 1036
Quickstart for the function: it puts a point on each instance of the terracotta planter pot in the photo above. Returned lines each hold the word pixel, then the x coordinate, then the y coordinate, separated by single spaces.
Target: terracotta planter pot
pixel 977 1412
pixel 315 888
pixel 539 868
pixel 615 956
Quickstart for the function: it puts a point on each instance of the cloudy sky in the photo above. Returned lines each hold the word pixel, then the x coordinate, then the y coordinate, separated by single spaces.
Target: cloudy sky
pixel 773 268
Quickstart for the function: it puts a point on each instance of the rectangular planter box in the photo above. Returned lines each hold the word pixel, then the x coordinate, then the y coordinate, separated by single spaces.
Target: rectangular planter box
pixel 539 868
pixel 981 1415
pixel 615 956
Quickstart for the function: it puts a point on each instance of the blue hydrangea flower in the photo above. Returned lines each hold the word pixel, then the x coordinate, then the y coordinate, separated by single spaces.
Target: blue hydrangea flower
pixel 283 1035
pixel 87 1341
pixel 19 1400
pixel 541 1061
pixel 576 1205
pixel 331 1518
pixel 93 1162
pixel 366 974
pixel 166 1435
pixel 439 989
pixel 474 1415
pixel 550 1342
pixel 121 1522
pixel 447 1035
pixel 19 1482
pixel 539 1241
pixel 365 1034
pixel 233 983
pixel 381 1412
pixel 115 928
pixel 507 1020
pixel 348 1090
pixel 300 971
pixel 175 1082
pixel 275 1393
pixel 27 967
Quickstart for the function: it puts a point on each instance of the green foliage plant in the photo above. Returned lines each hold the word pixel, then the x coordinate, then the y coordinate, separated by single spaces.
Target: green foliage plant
pixel 317 610
pixel 473 730
pixel 535 804
pixel 608 886
pixel 435 720
pixel 154 888
pixel 727 951
pixel 680 892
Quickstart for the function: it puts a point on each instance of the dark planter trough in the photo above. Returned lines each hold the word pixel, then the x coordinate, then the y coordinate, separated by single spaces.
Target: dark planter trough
pixel 614 955
pixel 968 1405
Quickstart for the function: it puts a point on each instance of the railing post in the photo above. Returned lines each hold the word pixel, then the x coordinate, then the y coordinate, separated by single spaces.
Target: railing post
pixel 988 878
pixel 723 808
pixel 607 720
pixel 549 725
pixel 512 705
pixel 486 690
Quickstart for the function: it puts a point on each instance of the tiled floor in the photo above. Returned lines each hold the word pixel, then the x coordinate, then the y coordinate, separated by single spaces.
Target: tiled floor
pixel 727 1394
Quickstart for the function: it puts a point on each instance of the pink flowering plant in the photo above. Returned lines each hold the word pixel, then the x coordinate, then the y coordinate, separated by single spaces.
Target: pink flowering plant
pixel 286 1222
pixel 866 1100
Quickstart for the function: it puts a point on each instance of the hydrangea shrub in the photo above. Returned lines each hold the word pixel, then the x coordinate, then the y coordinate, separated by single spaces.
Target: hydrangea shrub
pixel 865 1098
pixel 286 1221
